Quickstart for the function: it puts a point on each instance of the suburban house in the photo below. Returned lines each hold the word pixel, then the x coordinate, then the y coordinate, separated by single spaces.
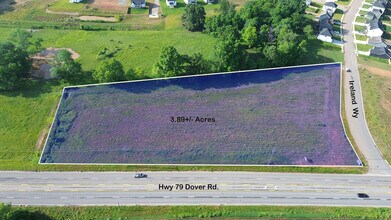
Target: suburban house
pixel 190 1
pixel 325 26
pixel 330 6
pixel 381 52
pixel 375 13
pixel 171 3
pixel 374 28
pixel 209 1
pixel 325 35
pixel 325 23
pixel 326 15
pixel 75 1
pixel 380 5
pixel 138 4
pixel 377 42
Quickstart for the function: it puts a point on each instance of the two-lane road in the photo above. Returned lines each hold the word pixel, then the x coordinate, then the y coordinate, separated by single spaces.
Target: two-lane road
pixel 230 188
pixel 353 99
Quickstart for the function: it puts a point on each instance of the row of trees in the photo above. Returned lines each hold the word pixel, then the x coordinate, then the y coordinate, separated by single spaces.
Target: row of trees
pixel 14 59
pixel 276 30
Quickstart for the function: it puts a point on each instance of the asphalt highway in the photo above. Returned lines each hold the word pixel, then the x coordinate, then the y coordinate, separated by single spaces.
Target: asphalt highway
pixel 229 188
pixel 353 99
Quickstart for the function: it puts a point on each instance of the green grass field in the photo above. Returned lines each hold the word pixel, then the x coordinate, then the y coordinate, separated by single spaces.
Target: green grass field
pixel 65 6
pixel 377 102
pixel 344 2
pixel 25 115
pixel 359 28
pixel 364 47
pixel 173 15
pixel 365 6
pixel 360 19
pixel 338 14
pixel 361 37
pixel 205 212
pixel 138 48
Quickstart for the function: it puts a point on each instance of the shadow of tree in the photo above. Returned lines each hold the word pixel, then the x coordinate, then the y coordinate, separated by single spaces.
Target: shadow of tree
pixel 7 6
pixel 31 88
pixel 28 215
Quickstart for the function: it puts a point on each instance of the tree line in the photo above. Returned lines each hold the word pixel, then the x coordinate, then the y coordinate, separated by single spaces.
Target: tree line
pixel 263 33
pixel 276 31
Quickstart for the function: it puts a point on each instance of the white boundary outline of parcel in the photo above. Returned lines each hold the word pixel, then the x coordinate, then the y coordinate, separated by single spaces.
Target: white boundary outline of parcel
pixel 359 163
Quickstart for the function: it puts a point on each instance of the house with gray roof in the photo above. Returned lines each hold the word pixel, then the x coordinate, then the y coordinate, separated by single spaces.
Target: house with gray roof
pixel 377 42
pixel 330 6
pixel 380 5
pixel 374 28
pixel 138 4
pixel 325 35
pixel 381 52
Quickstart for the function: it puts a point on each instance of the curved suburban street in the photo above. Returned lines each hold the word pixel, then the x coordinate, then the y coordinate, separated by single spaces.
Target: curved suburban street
pixel 353 99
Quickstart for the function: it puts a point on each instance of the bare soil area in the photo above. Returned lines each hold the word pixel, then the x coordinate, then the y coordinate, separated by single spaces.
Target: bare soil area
pixel 41 61
pixel 97 18
pixel 110 5
pixel 378 71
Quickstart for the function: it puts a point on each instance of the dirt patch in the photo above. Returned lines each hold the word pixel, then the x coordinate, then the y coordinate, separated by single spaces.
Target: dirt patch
pixel 97 18
pixel 109 5
pixel 43 134
pixel 378 71
pixel 41 61
pixel 50 53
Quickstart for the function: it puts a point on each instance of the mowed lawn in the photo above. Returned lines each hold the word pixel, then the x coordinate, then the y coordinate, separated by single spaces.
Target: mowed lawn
pixel 65 6
pixel 377 103
pixel 23 116
pixel 138 48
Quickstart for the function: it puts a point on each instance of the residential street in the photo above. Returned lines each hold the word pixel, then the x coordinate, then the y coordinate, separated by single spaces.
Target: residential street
pixel 358 126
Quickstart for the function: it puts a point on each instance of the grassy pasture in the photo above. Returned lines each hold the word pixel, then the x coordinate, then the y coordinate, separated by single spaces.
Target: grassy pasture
pixel 65 6
pixel 377 100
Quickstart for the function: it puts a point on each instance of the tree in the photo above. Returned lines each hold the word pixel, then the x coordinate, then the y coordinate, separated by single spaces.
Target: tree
pixel 14 65
pixel 5 211
pixel 24 40
pixel 135 73
pixel 229 52
pixel 196 64
pixel 169 64
pixel 193 18
pixel 309 32
pixel 65 68
pixel 250 36
pixel 109 71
